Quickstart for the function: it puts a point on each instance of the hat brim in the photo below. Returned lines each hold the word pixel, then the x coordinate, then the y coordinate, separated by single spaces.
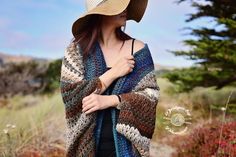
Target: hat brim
pixel 113 7
pixel 136 9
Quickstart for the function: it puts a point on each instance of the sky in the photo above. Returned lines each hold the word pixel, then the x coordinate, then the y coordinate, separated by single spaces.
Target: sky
pixel 43 28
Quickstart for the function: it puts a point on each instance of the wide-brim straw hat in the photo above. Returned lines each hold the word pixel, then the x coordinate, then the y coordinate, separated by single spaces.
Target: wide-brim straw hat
pixel 135 10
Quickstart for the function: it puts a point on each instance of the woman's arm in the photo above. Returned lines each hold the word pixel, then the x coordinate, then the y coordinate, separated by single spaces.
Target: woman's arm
pixel 137 115
pixel 114 100
pixel 107 78
pixel 74 86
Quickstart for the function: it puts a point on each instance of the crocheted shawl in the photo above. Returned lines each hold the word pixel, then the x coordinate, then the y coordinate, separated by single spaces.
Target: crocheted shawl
pixel 133 126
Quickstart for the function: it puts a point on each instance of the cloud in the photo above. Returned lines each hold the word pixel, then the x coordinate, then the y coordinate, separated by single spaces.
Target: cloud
pixel 44 27
pixel 11 38
pixel 14 39
pixel 37 28
pixel 161 29
pixel 4 23
pixel 53 42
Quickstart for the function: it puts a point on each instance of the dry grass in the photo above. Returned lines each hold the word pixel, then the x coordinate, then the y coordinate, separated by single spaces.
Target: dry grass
pixel 38 129
pixel 34 126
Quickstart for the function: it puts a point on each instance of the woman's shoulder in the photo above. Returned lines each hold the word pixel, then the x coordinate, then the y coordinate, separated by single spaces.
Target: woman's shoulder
pixel 138 45
pixel 73 47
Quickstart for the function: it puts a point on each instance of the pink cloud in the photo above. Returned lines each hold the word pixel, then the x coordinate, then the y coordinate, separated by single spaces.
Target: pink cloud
pixel 4 23
pixel 53 41
pixel 39 4
pixel 12 38
pixel 15 39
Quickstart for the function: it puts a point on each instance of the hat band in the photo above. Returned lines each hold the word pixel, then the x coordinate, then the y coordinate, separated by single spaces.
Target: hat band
pixel 91 4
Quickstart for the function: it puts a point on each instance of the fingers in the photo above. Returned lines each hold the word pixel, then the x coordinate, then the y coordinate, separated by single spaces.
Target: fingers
pixel 86 100
pixel 130 64
pixel 94 108
pixel 89 104
pixel 129 57
pixel 87 107
pixel 131 61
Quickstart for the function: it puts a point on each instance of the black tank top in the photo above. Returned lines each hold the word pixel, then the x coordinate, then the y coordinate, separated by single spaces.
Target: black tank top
pixel 106 142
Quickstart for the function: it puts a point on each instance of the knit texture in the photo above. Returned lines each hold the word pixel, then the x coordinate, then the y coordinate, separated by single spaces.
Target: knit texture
pixel 133 125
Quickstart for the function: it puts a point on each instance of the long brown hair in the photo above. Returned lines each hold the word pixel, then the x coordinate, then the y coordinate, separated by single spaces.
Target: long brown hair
pixel 91 32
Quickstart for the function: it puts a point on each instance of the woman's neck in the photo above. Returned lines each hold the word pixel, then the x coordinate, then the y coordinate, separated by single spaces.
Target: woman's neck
pixel 109 36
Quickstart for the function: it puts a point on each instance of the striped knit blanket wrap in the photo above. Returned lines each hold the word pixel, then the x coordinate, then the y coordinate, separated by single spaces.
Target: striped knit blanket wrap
pixel 139 93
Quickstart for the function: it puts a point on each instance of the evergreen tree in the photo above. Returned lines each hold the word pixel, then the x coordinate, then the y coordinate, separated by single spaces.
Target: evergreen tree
pixel 213 49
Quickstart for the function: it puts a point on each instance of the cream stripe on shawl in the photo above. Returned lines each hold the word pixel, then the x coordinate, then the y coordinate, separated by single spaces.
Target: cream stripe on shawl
pixel 135 126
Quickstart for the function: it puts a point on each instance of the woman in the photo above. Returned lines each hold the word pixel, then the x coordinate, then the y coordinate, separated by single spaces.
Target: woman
pixel 108 84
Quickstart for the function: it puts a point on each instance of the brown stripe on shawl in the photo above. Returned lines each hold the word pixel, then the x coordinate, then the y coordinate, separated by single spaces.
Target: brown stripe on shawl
pixel 136 120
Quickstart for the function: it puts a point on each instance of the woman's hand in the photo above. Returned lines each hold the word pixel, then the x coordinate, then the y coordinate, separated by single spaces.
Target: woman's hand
pixel 124 65
pixel 94 102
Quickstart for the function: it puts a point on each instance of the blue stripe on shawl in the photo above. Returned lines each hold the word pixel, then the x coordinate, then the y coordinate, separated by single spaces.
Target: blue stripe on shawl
pixel 95 65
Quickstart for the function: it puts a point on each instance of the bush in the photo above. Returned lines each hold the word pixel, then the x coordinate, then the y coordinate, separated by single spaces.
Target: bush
pixel 31 77
pixel 52 76
pixel 208 141
pixel 21 78
pixel 203 100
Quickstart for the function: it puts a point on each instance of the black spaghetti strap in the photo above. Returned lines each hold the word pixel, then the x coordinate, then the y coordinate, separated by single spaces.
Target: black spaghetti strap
pixel 132 51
